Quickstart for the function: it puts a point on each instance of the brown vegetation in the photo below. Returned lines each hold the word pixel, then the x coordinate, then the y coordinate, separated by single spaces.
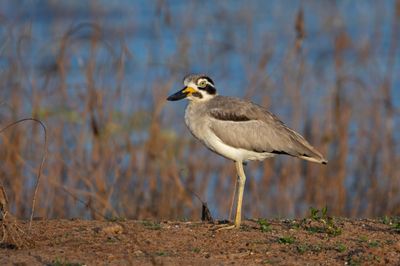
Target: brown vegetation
pixel 115 149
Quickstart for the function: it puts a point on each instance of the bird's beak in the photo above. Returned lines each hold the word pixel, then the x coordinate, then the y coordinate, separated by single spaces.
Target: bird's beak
pixel 183 93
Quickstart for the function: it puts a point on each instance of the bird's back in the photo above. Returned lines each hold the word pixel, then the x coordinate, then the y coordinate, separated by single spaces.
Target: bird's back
pixel 246 126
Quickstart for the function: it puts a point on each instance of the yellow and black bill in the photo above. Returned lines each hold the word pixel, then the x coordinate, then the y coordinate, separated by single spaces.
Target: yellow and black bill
pixel 183 93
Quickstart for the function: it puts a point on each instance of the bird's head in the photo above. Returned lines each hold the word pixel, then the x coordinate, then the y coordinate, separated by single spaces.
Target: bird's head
pixel 197 88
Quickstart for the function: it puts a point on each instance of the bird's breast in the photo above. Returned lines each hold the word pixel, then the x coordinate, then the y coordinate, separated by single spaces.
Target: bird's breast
pixel 196 121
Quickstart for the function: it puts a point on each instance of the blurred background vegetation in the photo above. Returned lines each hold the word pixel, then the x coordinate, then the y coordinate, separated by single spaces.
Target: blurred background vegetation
pixel 97 74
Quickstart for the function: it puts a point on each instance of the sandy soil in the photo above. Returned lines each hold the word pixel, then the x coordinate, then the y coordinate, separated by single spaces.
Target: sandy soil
pixel 272 242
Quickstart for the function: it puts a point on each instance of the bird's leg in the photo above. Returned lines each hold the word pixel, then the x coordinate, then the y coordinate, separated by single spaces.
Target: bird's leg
pixel 237 186
pixel 240 186
pixel 241 182
pixel 233 198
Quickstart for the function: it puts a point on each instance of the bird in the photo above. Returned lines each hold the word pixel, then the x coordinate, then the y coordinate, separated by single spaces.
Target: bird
pixel 238 130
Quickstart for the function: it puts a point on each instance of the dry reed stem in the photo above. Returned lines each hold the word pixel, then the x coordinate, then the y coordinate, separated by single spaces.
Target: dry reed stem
pixel 39 174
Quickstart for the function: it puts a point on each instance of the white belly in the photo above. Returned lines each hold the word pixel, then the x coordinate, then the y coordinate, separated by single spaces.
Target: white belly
pixel 236 154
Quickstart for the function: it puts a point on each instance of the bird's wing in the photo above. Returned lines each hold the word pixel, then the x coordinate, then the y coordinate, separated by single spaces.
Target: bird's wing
pixel 249 126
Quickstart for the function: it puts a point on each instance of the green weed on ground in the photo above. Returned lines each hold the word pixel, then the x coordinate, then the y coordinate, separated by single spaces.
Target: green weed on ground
pixel 319 222
pixel 63 262
pixel 265 226
pixel 151 225
pixel 393 222
pixel 286 240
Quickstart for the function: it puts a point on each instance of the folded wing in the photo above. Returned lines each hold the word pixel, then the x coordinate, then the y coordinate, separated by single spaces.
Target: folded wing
pixel 249 126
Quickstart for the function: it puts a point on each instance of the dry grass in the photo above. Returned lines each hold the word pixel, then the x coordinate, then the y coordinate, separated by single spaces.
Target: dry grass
pixel 11 234
pixel 122 152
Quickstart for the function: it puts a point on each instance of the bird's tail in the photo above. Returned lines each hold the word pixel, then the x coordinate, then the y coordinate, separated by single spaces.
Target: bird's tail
pixel 311 154
pixel 320 160
pixel 306 151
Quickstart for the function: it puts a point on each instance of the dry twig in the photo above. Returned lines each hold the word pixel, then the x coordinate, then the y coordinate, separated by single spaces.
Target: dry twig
pixel 41 163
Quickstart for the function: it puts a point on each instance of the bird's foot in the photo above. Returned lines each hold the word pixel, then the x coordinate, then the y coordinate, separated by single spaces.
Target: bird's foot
pixel 226 226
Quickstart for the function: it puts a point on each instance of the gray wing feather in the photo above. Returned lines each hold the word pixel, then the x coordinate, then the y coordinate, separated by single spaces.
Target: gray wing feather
pixel 249 126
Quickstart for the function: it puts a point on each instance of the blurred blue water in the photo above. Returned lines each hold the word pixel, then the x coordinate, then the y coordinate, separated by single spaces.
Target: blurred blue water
pixel 153 32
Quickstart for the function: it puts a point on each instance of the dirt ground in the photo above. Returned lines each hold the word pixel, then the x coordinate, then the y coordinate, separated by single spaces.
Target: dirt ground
pixel 309 241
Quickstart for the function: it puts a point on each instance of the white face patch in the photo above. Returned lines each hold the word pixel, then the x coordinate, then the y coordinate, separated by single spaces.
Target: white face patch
pixel 186 82
pixel 191 84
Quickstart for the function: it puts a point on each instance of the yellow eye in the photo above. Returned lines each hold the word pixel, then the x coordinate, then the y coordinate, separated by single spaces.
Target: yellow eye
pixel 202 84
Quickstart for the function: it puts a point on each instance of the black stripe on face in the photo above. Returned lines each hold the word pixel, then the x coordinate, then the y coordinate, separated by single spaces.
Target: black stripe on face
pixel 197 94
pixel 209 88
pixel 208 79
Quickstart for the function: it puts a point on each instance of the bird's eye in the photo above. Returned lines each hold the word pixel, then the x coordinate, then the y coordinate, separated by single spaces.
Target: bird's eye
pixel 202 84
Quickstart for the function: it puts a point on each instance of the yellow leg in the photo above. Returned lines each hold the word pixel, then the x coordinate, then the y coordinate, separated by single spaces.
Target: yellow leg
pixel 241 182
pixel 233 199
pixel 241 179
